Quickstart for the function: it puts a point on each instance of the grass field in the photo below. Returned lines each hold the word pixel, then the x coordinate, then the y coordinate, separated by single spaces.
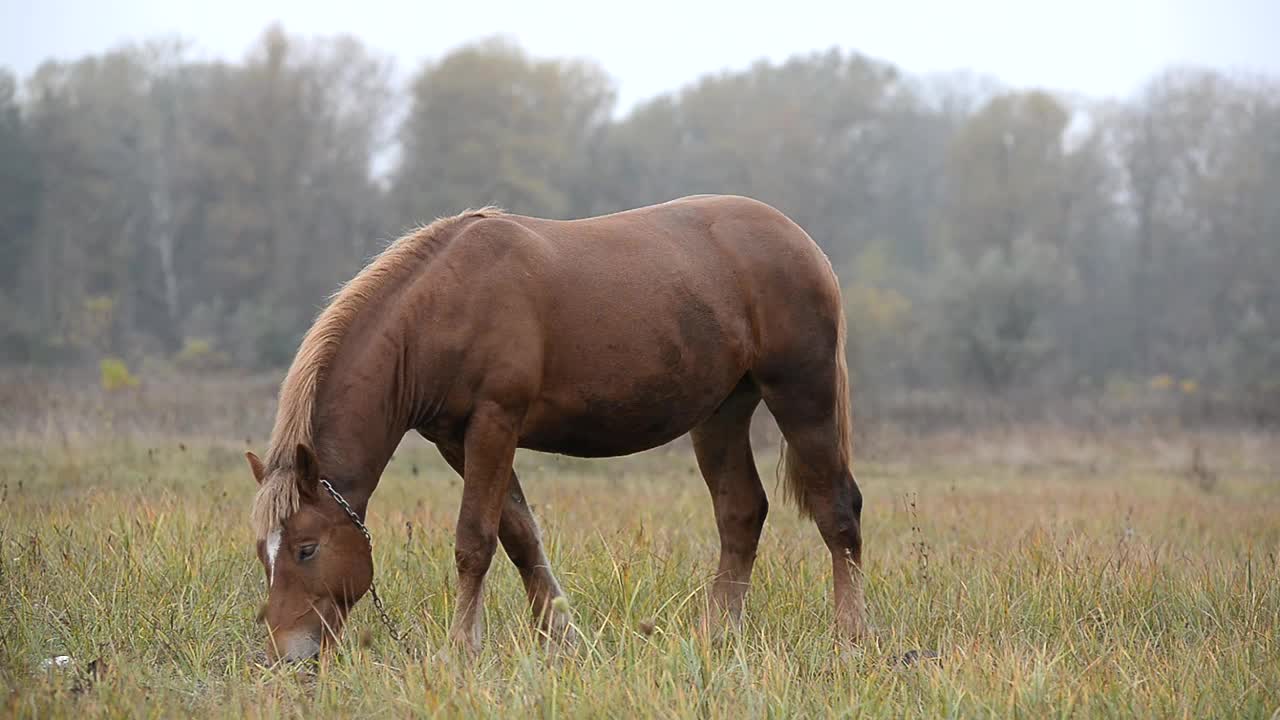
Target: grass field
pixel 1055 576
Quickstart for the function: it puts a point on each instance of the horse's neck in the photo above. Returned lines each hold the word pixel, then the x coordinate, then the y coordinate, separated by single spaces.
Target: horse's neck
pixel 356 433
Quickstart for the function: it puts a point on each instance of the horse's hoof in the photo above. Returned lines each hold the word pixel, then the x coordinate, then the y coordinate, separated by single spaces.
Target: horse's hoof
pixel 562 639
pixel 458 651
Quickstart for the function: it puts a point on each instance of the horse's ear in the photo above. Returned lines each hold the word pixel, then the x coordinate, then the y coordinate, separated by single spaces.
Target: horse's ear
pixel 307 468
pixel 255 464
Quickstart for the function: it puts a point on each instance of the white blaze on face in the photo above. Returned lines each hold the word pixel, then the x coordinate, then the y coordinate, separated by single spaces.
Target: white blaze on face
pixel 273 547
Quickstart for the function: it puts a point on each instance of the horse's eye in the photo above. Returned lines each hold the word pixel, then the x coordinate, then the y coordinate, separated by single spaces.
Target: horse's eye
pixel 306 551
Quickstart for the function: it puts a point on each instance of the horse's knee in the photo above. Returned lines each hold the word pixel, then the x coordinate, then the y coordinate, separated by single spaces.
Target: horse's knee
pixel 741 521
pixel 473 552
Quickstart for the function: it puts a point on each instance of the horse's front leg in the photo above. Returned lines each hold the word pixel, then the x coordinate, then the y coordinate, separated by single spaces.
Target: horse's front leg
pixel 522 540
pixel 490 446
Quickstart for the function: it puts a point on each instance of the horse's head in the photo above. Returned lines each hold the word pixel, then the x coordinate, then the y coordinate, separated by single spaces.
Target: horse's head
pixel 318 563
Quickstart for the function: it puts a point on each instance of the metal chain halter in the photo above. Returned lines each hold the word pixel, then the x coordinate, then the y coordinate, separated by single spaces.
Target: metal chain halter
pixel 373 588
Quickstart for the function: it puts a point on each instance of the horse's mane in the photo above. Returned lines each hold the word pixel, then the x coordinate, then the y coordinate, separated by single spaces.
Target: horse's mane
pixel 278 496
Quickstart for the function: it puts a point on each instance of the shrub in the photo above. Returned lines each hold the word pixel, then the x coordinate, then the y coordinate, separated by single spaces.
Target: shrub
pixel 199 355
pixel 116 375
pixel 991 315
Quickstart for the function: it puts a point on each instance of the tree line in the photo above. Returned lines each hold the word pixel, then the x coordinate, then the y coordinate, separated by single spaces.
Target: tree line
pixel 990 241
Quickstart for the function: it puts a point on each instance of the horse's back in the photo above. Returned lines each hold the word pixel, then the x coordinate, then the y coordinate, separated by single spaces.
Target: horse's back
pixel 729 247
pixel 705 268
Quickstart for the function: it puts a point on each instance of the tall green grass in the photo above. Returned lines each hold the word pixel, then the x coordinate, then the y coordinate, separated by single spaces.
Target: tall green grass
pixel 1105 586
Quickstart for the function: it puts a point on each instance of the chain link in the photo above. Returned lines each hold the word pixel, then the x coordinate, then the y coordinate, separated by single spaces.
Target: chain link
pixel 373 588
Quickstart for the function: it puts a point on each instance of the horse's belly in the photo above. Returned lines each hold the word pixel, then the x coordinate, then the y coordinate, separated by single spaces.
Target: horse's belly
pixel 597 421
pixel 580 440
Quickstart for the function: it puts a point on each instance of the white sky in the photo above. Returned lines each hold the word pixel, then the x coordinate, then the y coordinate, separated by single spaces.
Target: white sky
pixel 1095 47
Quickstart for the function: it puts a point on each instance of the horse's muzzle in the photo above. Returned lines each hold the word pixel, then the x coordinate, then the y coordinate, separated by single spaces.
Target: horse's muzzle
pixel 296 647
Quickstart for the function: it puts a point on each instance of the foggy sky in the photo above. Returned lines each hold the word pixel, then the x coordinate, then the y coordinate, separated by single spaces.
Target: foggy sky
pixel 1094 47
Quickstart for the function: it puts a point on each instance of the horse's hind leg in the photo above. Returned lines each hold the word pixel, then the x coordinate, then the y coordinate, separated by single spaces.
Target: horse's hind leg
pixel 722 444
pixel 805 407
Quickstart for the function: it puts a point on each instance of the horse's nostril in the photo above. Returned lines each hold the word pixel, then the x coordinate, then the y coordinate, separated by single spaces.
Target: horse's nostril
pixel 262 613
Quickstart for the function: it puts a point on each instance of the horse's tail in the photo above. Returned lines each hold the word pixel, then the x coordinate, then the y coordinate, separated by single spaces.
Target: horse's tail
pixel 790 464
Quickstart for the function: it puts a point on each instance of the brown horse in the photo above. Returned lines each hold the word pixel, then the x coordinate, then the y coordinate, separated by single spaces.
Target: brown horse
pixel 598 337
